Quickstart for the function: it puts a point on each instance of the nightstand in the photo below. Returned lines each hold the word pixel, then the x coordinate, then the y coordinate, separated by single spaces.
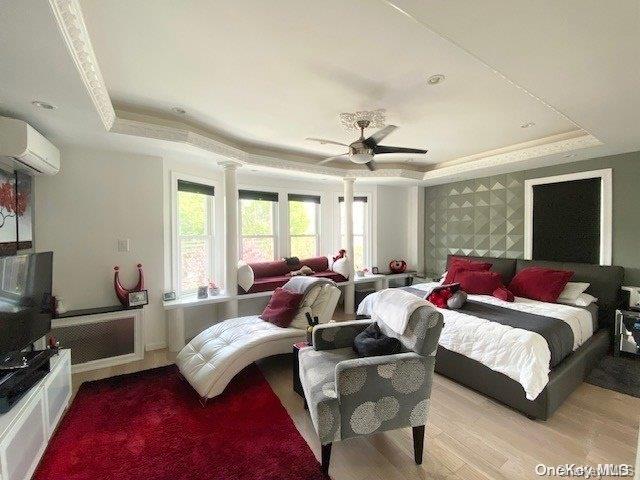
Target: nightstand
pixel 627 332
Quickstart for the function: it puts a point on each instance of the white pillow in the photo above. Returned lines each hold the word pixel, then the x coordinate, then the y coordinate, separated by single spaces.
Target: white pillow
pixel 583 300
pixel 444 275
pixel 245 276
pixel 341 266
pixel 572 290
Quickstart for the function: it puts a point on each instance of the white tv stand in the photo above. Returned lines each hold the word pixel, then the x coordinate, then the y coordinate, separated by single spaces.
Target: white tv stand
pixel 25 430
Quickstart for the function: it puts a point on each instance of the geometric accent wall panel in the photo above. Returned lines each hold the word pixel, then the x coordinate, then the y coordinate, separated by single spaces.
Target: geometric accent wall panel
pixel 481 217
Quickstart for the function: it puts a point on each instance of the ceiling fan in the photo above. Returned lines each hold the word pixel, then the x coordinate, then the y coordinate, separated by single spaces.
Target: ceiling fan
pixel 363 150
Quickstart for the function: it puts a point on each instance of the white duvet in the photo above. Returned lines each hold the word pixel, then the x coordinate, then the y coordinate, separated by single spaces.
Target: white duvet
pixel 521 355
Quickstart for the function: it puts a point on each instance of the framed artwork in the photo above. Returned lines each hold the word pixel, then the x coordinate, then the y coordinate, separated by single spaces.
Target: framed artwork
pixel 24 201
pixel 137 299
pixel 16 229
pixel 8 210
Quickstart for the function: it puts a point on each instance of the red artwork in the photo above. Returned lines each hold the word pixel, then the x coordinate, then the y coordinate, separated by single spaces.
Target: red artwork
pixel 122 292
pixel 11 203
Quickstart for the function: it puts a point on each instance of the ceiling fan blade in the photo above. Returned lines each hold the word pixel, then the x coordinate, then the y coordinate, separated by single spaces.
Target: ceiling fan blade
pixel 324 141
pixel 370 165
pixel 379 135
pixel 382 149
pixel 344 156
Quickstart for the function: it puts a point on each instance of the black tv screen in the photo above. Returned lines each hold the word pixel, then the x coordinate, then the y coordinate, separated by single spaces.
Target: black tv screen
pixel 25 299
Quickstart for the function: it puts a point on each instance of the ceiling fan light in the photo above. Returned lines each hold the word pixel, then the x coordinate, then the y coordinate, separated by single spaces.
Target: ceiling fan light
pixel 361 158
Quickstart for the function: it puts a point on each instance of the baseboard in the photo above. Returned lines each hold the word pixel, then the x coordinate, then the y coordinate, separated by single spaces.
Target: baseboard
pixel 155 346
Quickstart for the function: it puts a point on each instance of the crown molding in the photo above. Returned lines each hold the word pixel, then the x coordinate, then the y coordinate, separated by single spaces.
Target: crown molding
pixel 559 144
pixel 68 15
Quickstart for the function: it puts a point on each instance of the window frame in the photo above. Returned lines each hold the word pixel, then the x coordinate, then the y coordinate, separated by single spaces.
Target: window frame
pixel 275 212
pixel 318 222
pixel 214 230
pixel 606 209
pixel 368 240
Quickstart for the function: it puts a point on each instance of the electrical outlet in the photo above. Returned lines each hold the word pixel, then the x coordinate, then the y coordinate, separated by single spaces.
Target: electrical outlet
pixel 123 245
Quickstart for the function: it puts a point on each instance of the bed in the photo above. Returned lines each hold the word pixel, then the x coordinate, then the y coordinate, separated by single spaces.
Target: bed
pixel 489 345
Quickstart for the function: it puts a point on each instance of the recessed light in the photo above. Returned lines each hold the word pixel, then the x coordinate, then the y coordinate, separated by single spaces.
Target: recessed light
pixel 179 110
pixel 435 79
pixel 527 125
pixel 43 105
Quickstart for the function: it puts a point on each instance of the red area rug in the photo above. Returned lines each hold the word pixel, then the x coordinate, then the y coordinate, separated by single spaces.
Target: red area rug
pixel 150 426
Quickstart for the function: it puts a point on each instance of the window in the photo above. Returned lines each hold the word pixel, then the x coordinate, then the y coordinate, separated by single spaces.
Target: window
pixel 195 235
pixel 304 216
pixel 360 229
pixel 258 225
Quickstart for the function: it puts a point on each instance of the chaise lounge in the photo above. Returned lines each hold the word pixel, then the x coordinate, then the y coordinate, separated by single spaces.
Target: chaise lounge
pixel 216 355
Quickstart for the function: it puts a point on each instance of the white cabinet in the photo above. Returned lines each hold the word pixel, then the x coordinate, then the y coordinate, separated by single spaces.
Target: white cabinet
pixel 25 429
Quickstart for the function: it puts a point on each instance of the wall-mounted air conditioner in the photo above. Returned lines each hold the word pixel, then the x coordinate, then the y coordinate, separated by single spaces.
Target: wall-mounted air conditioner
pixel 22 147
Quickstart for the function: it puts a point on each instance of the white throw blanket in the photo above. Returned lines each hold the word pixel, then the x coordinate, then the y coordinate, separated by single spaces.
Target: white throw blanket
pixel 521 355
pixel 393 307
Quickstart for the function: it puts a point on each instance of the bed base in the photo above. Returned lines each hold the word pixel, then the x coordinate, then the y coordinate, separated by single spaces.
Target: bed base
pixel 563 379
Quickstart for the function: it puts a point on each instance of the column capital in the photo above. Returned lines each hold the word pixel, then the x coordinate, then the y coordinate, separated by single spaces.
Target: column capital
pixel 228 164
pixel 348 179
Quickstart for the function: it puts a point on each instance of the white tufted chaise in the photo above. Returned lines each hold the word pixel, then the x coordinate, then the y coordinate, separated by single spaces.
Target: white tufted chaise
pixel 216 355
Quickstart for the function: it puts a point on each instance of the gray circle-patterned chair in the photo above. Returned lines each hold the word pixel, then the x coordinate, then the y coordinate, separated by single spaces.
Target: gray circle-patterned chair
pixel 348 396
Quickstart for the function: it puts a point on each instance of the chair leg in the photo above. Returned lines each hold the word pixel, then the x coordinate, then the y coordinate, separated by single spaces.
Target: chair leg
pixel 326 458
pixel 418 442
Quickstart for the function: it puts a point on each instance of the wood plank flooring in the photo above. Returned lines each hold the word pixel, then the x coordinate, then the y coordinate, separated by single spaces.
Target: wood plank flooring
pixel 468 437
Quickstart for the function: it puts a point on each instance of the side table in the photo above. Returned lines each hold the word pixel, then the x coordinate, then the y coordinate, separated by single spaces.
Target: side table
pixel 297 385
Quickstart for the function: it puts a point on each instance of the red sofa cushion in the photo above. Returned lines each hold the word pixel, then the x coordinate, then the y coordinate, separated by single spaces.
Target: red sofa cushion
pixel 330 274
pixel 317 264
pixel 282 307
pixel 478 282
pixel 276 268
pixel 457 264
pixel 540 283
pixel 268 284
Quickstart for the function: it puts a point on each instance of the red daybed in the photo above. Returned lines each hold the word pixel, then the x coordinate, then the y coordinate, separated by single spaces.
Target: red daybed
pixel 267 276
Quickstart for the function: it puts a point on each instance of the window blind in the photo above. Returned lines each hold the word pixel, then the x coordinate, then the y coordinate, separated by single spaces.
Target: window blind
pixel 294 197
pixel 355 199
pixel 255 195
pixel 193 187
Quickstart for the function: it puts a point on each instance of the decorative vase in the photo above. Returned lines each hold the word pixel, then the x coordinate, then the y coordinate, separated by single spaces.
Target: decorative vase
pixel 123 293
pixel 397 266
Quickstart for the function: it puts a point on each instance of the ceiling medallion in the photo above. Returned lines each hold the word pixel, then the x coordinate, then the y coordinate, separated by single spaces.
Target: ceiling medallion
pixel 376 118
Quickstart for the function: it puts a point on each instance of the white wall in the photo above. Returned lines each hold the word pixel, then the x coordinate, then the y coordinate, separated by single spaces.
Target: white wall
pixel 100 197
pixel 96 199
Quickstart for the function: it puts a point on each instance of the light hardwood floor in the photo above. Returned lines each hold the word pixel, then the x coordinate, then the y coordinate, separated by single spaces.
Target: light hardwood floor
pixel 468 437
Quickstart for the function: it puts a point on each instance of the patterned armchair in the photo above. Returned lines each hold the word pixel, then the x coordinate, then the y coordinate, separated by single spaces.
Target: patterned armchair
pixel 348 396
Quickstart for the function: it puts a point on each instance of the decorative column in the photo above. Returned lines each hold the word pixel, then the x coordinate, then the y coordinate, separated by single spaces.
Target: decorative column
pixel 349 290
pixel 230 238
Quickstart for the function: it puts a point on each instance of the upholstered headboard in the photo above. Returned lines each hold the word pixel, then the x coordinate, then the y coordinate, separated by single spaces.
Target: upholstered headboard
pixel 606 281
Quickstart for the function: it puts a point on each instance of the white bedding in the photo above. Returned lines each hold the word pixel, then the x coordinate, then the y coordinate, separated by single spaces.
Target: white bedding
pixel 521 355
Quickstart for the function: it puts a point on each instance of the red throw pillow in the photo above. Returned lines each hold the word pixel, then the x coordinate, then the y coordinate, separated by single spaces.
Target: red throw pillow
pixel 439 297
pixel 540 283
pixel 282 307
pixel 479 282
pixel 457 264
pixel 503 294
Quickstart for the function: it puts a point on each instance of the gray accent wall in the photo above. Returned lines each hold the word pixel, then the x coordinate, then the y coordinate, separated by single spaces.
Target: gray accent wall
pixel 485 216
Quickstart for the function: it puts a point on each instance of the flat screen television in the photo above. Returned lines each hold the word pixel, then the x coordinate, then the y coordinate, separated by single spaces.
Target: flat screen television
pixel 25 300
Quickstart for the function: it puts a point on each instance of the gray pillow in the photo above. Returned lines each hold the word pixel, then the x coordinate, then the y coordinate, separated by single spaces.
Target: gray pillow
pixel 457 300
